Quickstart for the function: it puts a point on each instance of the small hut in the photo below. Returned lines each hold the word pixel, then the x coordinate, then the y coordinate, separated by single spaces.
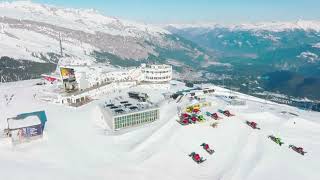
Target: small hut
pixel 26 127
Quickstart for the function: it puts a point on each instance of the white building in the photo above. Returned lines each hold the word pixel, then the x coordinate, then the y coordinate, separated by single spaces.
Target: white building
pixel 125 113
pixel 233 100
pixel 156 73
pixel 82 97
pixel 98 79
pixel 83 83
pixel 93 76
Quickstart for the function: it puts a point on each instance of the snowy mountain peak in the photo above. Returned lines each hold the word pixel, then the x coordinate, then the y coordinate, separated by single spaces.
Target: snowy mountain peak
pixel 30 7
pixel 275 26
pixel 281 26
pixel 88 20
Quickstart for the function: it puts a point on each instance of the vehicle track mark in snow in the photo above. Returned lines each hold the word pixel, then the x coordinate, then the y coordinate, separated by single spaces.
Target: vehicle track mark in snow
pixel 228 170
pixel 250 157
pixel 158 139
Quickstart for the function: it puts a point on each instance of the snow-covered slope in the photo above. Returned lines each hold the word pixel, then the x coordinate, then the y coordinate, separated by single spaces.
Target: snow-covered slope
pixel 29 45
pixel 87 20
pixel 77 144
pixel 32 31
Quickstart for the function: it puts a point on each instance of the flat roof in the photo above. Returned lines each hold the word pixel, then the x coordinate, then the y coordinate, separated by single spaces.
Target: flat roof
pixel 126 105
pixel 21 123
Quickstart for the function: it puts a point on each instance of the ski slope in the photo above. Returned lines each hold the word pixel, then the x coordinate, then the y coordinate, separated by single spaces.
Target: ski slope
pixel 78 145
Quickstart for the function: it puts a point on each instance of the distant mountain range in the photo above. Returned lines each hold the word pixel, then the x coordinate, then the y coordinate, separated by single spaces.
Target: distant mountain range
pixel 261 26
pixel 255 50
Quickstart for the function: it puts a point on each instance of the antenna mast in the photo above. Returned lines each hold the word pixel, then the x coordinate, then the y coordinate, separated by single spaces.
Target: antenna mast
pixel 60 41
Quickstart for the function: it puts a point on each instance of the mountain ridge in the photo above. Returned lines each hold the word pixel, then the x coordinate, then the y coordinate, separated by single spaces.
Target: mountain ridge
pixel 274 26
pixel 31 31
pixel 80 19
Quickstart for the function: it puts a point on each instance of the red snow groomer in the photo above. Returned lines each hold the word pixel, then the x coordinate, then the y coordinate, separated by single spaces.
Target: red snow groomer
pixel 185 115
pixel 184 119
pixel 215 116
pixel 297 149
pixel 226 113
pixel 252 124
pixel 196 157
pixel 196 111
pixel 207 148
pixel 194 119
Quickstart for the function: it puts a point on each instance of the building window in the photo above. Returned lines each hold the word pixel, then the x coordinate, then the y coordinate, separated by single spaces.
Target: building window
pixel 135 119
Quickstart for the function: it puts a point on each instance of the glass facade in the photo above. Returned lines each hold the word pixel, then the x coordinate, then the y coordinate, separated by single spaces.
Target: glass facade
pixel 134 119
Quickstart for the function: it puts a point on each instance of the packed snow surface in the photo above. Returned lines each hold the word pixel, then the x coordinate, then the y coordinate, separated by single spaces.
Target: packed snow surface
pixel 78 145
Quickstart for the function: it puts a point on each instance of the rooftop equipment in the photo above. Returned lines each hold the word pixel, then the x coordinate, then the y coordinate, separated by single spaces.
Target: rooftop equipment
pixel 139 96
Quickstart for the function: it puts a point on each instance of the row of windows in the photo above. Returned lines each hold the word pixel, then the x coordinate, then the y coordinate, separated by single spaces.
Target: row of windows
pixel 157 72
pixel 166 77
pixel 136 119
pixel 158 67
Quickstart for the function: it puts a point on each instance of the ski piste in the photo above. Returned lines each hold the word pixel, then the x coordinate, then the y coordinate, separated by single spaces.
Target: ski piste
pixel 78 131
